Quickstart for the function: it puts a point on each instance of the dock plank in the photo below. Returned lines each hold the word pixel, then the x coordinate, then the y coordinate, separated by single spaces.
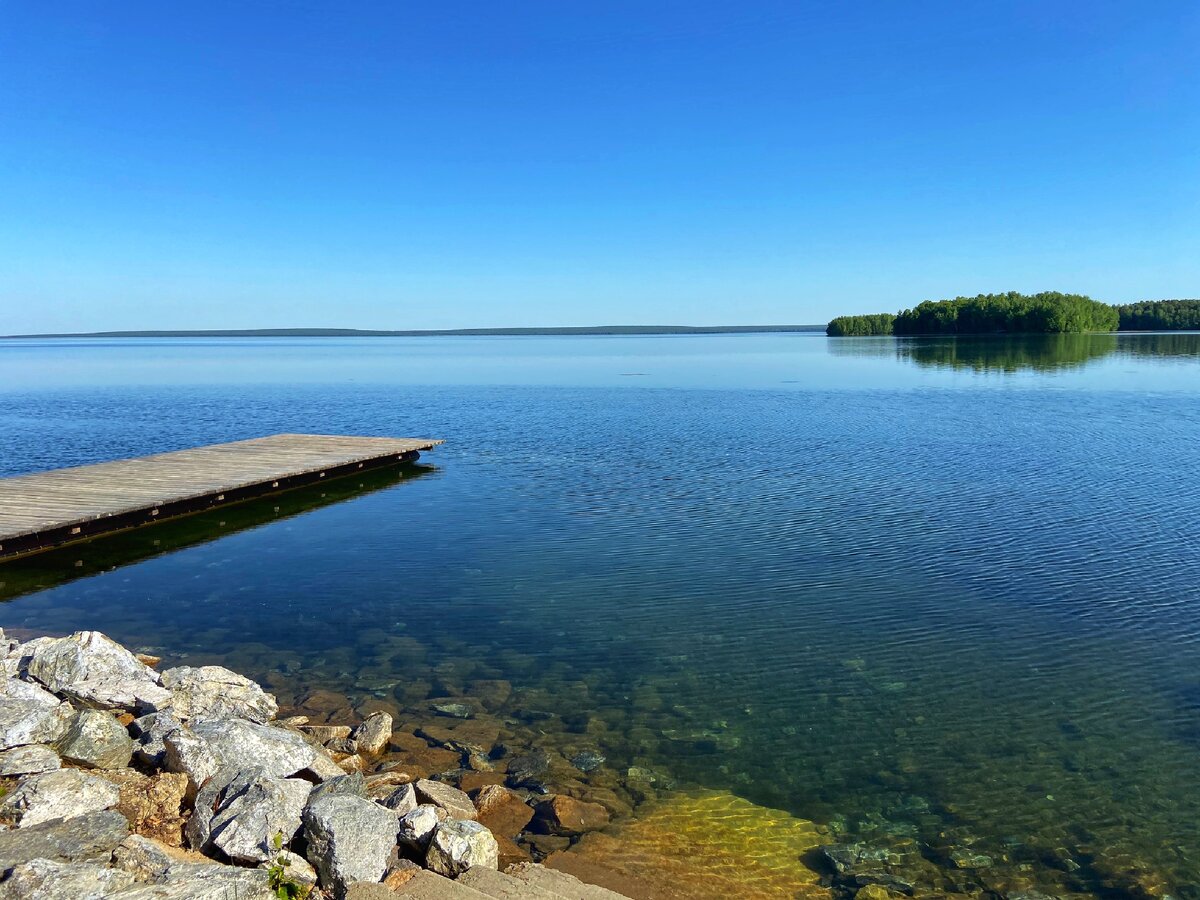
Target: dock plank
pixel 45 509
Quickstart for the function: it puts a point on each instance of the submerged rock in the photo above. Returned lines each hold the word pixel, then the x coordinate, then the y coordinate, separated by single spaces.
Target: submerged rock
pixel 95 739
pixel 566 815
pixel 30 715
pixel 44 879
pixel 349 839
pixel 502 810
pixel 215 692
pixel 587 760
pixel 29 760
pixel 453 709
pixel 457 845
pixel 94 670
pixel 61 794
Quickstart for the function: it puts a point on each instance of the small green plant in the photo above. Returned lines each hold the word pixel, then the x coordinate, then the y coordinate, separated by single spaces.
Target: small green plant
pixel 281 886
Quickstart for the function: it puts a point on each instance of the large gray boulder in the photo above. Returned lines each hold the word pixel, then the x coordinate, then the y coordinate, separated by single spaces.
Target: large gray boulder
pixel 91 836
pixel 215 692
pixel 459 844
pixel 95 671
pixel 30 715
pixel 349 839
pixel 61 794
pixel 96 740
pixel 45 879
pixel 30 760
pixel 203 881
pixel 238 742
pixel 188 754
pixel 241 812
pixel 143 858
pixel 149 730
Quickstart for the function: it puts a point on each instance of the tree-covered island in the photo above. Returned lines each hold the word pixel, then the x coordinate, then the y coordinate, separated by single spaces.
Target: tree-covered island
pixel 1048 312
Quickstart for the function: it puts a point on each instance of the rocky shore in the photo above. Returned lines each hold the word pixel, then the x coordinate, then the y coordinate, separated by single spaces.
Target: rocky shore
pixel 118 780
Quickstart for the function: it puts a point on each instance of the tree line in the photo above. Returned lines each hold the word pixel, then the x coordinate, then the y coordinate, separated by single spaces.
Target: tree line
pixel 1048 312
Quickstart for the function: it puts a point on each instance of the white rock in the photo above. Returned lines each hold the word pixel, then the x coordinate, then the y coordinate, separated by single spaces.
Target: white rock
pixel 417 826
pixel 62 794
pixel 143 858
pixel 237 743
pixel 402 800
pixel 295 867
pixel 190 755
pixel 372 735
pixel 31 760
pixel 96 740
pixel 458 844
pixel 30 715
pixel 94 670
pixel 215 692
pixel 349 839
pixel 241 812
pixel 457 804
pixel 43 879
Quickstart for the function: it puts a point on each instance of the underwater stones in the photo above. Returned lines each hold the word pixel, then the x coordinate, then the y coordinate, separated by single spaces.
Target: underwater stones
pixel 567 816
pixel 149 730
pixel 152 803
pixel 965 858
pixel 372 735
pixel 502 810
pixel 234 742
pixel 445 796
pixel 44 879
pixel 453 708
pixel 587 760
pixel 32 759
pixel 90 836
pixel 30 715
pixel 96 740
pixel 527 767
pixel 416 826
pixel 61 794
pixel 493 693
pixel 94 670
pixel 349 839
pixel 456 845
pixel 216 692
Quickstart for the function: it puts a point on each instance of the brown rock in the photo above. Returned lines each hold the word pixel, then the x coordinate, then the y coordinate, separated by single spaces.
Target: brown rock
pixel 400 873
pixel 147 660
pixel 567 816
pixel 351 764
pixel 152 804
pixel 473 781
pixel 326 733
pixel 502 810
pixel 492 693
pixel 542 845
pixel 509 853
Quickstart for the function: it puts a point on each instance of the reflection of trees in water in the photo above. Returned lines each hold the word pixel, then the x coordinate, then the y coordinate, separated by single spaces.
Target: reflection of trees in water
pixel 1019 353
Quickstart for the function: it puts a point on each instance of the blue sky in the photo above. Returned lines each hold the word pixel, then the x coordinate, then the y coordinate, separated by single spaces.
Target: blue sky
pixel 457 164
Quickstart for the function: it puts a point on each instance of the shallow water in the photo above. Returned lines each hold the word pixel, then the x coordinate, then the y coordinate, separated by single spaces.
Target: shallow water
pixel 927 591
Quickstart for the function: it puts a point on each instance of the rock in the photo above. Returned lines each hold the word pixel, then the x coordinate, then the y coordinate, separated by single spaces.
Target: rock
pixel 453 709
pixel 96 740
pixel 587 760
pixel 458 844
pixel 187 754
pixel 61 794
pixel 150 731
pixel 502 810
pixel 238 742
pixel 143 858
pixel 528 767
pixel 241 812
pixel 349 839
pixel 566 815
pixel 30 715
pixel 372 735
pixel 352 785
pixel 204 881
pixel 417 827
pixel 351 764
pixel 873 892
pixel 295 867
pixel 153 804
pixel 368 890
pixel 44 879
pixel 400 873
pixel 29 760
pixel 402 800
pixel 323 734
pixel 382 785
pixel 95 671
pixel 215 692
pixel 294 721
pixel 323 768
pixel 90 836
pixel 457 804
pixel 969 859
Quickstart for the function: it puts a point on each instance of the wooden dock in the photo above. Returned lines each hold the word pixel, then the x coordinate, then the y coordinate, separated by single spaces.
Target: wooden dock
pixel 48 509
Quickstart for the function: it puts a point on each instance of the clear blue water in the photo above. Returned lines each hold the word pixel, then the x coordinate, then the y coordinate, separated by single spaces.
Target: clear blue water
pixel 934 590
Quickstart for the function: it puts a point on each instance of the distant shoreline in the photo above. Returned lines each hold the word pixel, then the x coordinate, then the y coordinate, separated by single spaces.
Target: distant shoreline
pixel 444 332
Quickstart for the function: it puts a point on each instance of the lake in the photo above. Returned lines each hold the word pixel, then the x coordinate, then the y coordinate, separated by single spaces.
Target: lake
pixel 940 597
